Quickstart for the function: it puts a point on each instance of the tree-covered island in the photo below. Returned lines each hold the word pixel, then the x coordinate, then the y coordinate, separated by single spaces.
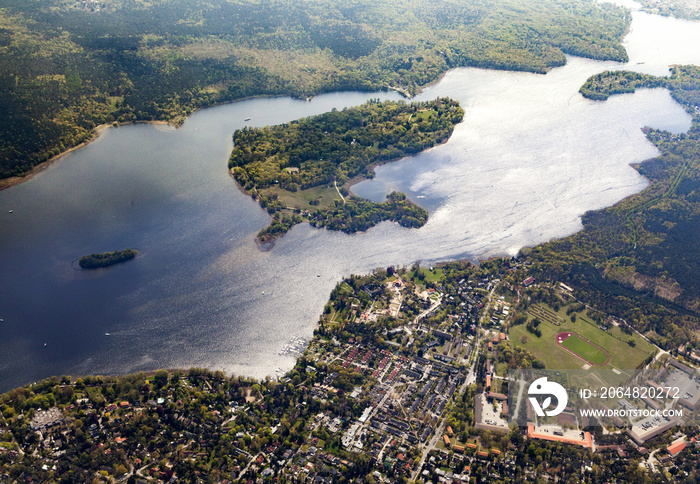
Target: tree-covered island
pixel 95 261
pixel 302 171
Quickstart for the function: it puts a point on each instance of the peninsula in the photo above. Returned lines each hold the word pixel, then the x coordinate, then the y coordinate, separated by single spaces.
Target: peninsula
pixel 96 261
pixel 302 171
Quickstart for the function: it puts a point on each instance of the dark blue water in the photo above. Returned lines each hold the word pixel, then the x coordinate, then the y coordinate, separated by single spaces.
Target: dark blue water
pixel 164 192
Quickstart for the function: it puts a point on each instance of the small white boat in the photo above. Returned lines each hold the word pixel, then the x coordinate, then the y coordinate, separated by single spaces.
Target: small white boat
pixel 106 334
pixel 10 211
pixel 246 119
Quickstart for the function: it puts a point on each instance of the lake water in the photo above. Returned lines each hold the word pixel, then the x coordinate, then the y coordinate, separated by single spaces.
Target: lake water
pixel 529 158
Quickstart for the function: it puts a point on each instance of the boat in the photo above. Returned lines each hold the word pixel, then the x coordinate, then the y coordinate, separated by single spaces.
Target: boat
pixel 106 334
pixel 246 119
pixel 10 211
pixel 318 275
pixel 44 345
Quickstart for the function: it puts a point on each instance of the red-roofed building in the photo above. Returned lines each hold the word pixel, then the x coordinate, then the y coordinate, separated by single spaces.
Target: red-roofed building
pixel 587 440
pixel 676 448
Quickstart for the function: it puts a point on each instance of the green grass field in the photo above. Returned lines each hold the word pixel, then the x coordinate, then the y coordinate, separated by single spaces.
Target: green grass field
pixel 613 342
pixel 585 350
pixel 301 198
pixel 437 274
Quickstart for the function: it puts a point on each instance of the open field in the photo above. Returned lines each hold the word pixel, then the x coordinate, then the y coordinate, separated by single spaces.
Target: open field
pixel 300 199
pixel 436 275
pixel 589 352
pixel 614 342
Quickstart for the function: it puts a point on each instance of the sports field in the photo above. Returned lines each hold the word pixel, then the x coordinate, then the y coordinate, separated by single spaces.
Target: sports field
pixel 583 349
pixel 604 349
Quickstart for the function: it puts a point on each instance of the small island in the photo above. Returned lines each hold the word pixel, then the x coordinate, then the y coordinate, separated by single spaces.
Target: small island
pixel 95 261
pixel 303 170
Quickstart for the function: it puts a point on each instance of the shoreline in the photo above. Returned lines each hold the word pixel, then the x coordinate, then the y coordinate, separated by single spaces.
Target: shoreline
pixel 97 130
pixel 19 179
pixel 359 178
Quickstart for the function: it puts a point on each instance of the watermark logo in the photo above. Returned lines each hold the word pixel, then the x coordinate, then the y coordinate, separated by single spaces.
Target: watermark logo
pixel 543 387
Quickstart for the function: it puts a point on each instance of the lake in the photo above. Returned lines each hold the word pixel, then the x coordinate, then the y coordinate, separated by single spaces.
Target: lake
pixel 529 158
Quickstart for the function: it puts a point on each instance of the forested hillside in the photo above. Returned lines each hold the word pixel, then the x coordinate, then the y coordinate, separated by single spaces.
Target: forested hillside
pixel 67 66
pixel 644 250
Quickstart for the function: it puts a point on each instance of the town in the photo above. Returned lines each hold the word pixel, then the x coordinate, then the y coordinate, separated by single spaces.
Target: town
pixel 405 380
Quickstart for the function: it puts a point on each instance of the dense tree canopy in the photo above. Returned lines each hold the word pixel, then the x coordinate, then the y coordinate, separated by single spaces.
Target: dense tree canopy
pixel 334 149
pixel 339 145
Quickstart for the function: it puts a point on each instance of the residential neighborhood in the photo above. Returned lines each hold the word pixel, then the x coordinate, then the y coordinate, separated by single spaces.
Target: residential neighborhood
pixel 406 380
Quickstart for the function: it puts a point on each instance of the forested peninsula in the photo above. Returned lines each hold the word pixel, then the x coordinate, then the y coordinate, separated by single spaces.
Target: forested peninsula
pixel 68 66
pixel 301 171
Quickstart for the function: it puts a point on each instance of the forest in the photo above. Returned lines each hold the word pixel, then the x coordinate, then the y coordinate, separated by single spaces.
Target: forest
pixel 67 66
pixel 639 259
pixel 336 149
